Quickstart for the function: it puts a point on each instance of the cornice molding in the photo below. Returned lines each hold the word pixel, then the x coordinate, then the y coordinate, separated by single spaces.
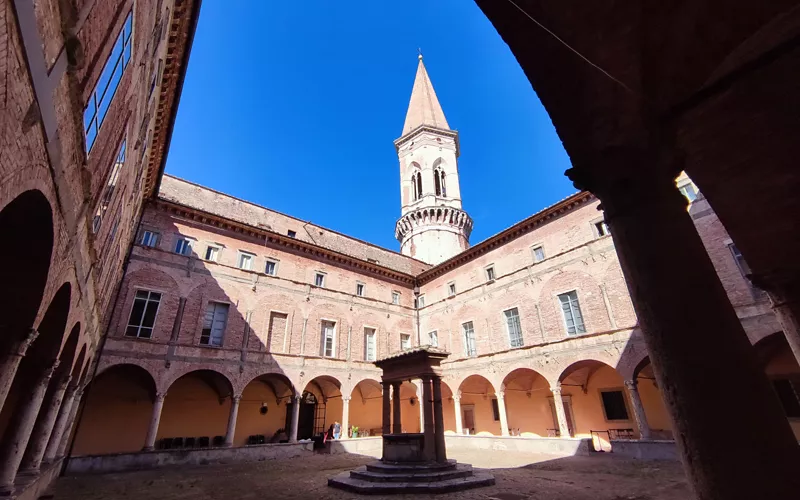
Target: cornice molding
pixel 400 142
pixel 432 216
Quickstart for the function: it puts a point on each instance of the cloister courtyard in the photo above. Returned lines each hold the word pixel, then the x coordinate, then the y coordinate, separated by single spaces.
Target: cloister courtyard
pixel 519 476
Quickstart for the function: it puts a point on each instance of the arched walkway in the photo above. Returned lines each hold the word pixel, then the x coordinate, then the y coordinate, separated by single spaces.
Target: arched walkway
pixel 529 404
pixel 116 412
pixel 652 401
pixel 263 410
pixel 321 406
pixel 365 408
pixel 781 367
pixel 479 407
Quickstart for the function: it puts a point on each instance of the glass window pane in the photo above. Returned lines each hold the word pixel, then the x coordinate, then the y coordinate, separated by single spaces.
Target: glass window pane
pixel 145 333
pixel 136 312
pixel 150 314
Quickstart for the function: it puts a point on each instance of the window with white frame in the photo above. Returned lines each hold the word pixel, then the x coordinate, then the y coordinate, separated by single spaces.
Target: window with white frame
pixel 470 349
pixel 395 298
pixel 246 261
pixel 149 239
pixel 600 228
pixel 538 253
pixel 405 341
pixel 421 301
pixel 571 308
pixel 271 267
pixel 214 324
pixel 688 191
pixel 360 289
pixel 107 83
pixel 433 338
pixel 319 280
pixel 744 268
pixel 109 189
pixel 370 344
pixel 514 327
pixel 328 339
pixel 212 253
pixel 183 245
pixel 451 289
pixel 143 314
pixel 490 272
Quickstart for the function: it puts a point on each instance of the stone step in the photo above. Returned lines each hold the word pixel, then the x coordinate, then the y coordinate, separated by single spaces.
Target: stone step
pixel 394 468
pixel 477 479
pixel 461 470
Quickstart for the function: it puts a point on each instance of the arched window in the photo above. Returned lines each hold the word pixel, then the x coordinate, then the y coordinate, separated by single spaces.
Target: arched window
pixel 416 185
pixel 438 180
pixel 419 185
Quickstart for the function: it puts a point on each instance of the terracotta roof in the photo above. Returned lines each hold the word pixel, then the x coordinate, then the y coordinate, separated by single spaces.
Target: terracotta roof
pixel 415 350
pixel 424 107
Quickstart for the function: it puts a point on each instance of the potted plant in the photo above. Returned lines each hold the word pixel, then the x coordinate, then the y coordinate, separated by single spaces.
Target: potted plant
pixel 354 432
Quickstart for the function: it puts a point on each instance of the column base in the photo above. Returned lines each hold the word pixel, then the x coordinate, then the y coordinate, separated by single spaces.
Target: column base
pixel 149 448
pixel 31 471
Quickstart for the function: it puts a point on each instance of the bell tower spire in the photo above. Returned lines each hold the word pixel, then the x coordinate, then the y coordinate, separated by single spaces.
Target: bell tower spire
pixel 433 226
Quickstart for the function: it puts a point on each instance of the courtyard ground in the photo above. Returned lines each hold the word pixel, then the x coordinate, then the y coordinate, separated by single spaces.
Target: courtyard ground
pixel 519 477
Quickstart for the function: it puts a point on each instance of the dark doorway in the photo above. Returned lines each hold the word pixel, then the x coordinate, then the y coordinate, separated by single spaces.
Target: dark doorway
pixel 306 427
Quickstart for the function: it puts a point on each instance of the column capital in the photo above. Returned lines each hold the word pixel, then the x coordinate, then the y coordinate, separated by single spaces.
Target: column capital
pixel 456 398
pixel 783 287
pixel 48 372
pixel 500 395
pixel 160 396
pixel 346 398
pixel 632 385
pixel 236 398
pixel 556 389
pixel 20 348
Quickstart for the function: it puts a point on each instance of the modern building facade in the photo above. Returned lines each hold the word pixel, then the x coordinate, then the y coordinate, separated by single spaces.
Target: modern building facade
pixel 237 325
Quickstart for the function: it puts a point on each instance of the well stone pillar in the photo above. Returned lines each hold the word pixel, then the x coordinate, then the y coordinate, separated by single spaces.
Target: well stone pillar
pixel 429 437
pixel 438 417
pixel 296 400
pixel 397 424
pixel 11 361
pixel 20 428
pixel 421 408
pixel 155 418
pixel 345 432
pixel 64 441
pixel 501 409
pixel 230 433
pixel 457 408
pixel 60 426
pixel 561 414
pixel 387 408
pixel 738 442
pixel 32 459
pixel 638 408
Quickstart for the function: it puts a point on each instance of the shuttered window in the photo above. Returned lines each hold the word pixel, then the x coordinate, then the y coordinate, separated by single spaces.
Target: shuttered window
pixel 143 314
pixel 369 344
pixel 433 338
pixel 514 327
pixel 328 339
pixel 405 341
pixel 469 339
pixel 109 189
pixel 573 319
pixel 214 324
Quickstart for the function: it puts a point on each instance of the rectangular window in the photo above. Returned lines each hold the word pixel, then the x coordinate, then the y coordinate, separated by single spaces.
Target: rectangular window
pixel 538 253
pixel 688 191
pixel 789 394
pixel 614 405
pixel 395 298
pixel 495 410
pixel 405 341
pixel 214 324
pixel 271 268
pixel 514 327
pixel 451 289
pixel 212 253
pixel 291 234
pixel 328 339
pixel 600 228
pixel 421 301
pixel 183 246
pixel 490 273
pixel 360 289
pixel 155 77
pixel 433 338
pixel 107 84
pixel 143 314
pixel 319 280
pixel 469 339
pixel 109 189
pixel 573 319
pixel 370 344
pixel 149 239
pixel 739 258
pixel 246 261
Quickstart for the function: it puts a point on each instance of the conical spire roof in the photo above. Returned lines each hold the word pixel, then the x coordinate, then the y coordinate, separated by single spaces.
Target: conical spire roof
pixel 424 107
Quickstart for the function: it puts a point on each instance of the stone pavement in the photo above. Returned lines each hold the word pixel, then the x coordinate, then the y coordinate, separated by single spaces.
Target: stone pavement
pixel 519 477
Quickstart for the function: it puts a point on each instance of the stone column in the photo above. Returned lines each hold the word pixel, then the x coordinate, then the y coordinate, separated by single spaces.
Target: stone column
pixel 784 295
pixel 438 418
pixel 61 424
pixel 501 407
pixel 397 424
pixel 421 408
pixel 231 432
pixel 10 363
pixel 345 417
pixel 387 408
pixel 638 409
pixel 730 429
pixel 76 403
pixel 430 439
pixel 37 445
pixel 561 414
pixel 20 427
pixel 155 418
pixel 457 408
pixel 295 418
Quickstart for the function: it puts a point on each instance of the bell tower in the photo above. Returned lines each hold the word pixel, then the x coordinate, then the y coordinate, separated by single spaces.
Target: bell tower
pixel 432 227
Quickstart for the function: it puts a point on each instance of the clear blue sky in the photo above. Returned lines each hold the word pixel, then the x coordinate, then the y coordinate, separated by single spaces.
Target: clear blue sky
pixel 294 106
